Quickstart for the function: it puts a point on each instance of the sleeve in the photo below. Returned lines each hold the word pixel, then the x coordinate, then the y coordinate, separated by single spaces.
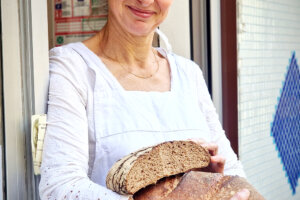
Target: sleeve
pixel 65 157
pixel 232 165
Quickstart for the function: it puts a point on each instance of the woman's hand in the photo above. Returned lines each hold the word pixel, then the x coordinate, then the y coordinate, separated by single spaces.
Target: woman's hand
pixel 217 162
pixel 241 195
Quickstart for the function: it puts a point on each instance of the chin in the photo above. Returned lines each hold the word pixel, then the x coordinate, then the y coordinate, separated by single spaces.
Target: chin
pixel 141 29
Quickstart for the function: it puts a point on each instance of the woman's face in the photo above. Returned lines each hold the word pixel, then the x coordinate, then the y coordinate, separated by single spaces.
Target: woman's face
pixel 138 17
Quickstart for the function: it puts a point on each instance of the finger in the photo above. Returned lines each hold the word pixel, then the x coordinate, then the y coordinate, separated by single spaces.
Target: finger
pixel 241 195
pixel 211 147
pixel 218 159
pixel 217 163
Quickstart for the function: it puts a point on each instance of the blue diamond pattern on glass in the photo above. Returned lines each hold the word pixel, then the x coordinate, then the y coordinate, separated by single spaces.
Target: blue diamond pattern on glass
pixel 285 128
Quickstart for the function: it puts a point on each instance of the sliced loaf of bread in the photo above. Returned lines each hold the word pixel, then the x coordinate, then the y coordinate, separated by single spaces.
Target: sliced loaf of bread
pixel 148 165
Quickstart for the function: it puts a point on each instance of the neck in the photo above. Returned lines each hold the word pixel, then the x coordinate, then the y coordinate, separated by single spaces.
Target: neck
pixel 124 47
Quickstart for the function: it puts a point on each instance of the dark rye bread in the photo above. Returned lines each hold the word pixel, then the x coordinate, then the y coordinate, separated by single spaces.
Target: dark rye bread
pixel 197 185
pixel 148 165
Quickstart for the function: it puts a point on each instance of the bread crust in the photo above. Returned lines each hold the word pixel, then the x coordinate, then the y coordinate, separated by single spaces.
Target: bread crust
pixel 197 186
pixel 120 169
pixel 148 165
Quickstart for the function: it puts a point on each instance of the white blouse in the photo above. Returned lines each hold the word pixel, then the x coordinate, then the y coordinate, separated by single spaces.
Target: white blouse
pixel 93 121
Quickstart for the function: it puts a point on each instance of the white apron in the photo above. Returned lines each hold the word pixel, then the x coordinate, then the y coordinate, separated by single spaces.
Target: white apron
pixel 126 121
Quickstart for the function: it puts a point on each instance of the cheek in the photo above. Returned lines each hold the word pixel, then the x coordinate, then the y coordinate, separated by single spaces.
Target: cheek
pixel 164 5
pixel 115 6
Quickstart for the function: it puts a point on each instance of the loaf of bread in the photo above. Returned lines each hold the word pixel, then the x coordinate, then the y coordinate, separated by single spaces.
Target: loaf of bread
pixel 147 166
pixel 197 185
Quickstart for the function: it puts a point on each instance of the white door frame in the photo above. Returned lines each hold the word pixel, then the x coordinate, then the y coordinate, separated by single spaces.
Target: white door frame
pixel 216 57
pixel 25 80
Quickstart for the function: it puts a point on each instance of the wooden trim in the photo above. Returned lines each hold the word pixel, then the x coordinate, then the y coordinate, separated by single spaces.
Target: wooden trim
pixel 229 71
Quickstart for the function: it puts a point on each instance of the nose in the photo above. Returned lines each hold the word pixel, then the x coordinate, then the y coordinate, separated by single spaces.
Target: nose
pixel 145 2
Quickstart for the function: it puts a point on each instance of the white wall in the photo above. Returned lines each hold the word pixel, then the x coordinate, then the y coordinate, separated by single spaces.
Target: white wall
pixel 268 33
pixel 40 54
pixel 177 28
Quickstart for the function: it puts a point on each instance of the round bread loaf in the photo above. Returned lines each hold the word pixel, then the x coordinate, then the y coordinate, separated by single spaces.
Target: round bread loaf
pixel 148 165
pixel 197 185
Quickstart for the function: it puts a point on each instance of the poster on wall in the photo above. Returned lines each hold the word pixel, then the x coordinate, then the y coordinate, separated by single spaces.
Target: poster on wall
pixel 76 20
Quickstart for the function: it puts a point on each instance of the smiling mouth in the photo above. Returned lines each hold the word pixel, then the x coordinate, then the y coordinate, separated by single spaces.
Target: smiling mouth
pixel 141 13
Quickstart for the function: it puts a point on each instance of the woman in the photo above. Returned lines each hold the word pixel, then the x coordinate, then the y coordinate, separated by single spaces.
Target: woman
pixel 113 94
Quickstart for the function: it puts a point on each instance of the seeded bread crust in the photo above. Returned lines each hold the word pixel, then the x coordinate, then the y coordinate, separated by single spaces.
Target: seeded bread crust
pixel 148 165
pixel 197 186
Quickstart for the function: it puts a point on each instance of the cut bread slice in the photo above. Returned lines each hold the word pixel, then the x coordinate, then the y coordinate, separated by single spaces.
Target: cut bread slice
pixel 148 165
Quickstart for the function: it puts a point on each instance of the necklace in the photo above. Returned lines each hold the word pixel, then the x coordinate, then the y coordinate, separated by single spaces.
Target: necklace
pixel 136 75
